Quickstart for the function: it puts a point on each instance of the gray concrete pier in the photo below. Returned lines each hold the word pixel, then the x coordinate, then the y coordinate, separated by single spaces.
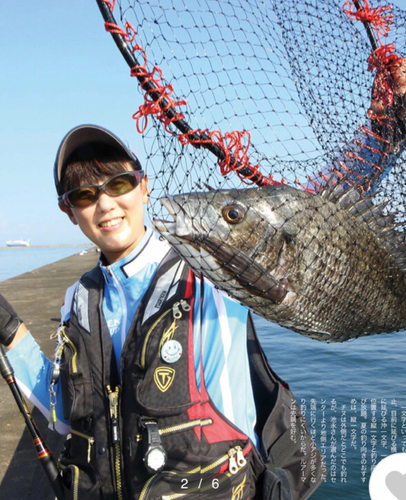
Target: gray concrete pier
pixel 37 296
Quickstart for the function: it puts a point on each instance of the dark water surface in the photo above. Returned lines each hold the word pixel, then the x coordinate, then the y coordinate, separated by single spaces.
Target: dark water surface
pixel 354 397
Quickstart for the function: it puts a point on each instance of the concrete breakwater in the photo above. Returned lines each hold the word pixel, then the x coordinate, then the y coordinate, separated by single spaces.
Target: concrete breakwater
pixel 48 246
pixel 37 296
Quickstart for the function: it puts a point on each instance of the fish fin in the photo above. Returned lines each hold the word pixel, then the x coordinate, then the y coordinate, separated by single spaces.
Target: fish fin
pixel 207 186
pixel 249 274
pixel 345 195
pixel 362 207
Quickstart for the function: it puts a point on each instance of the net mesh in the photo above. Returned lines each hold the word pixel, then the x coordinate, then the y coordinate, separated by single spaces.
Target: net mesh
pixel 285 89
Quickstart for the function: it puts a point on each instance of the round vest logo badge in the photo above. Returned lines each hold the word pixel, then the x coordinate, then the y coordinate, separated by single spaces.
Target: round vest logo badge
pixel 171 351
pixel 163 377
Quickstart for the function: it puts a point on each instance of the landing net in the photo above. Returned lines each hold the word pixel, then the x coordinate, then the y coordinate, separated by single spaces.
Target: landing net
pixel 272 93
pixel 290 77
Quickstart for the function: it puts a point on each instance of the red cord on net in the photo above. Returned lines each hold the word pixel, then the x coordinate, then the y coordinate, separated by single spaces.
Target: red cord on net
pixel 129 34
pixel 342 174
pixel 154 105
pixel 158 101
pixel 380 61
pixel 376 17
pixel 236 156
pixel 369 132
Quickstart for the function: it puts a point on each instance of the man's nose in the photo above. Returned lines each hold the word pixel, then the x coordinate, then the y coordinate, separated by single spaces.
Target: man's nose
pixel 106 202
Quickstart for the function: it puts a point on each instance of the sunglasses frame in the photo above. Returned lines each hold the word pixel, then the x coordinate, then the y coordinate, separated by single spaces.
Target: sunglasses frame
pixel 101 188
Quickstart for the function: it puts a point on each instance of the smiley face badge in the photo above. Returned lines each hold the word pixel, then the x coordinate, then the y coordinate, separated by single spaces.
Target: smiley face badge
pixel 171 351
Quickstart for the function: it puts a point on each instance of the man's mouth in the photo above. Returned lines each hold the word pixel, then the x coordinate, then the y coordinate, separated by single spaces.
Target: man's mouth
pixel 111 223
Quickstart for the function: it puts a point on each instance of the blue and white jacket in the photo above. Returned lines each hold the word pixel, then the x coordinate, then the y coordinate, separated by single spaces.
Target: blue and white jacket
pixel 224 338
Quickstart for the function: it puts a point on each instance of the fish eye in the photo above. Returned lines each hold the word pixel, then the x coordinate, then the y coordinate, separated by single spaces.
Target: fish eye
pixel 233 214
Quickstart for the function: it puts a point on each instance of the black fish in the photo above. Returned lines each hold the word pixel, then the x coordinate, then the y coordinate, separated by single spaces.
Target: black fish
pixel 329 266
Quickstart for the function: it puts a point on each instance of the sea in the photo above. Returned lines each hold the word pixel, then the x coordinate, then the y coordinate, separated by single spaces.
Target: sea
pixel 18 260
pixel 352 394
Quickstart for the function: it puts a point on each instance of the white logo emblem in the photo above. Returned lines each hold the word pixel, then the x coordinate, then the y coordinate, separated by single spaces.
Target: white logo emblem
pixel 171 351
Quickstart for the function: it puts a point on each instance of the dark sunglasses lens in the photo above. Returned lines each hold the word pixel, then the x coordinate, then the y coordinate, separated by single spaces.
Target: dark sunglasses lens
pixel 116 186
pixel 122 184
pixel 83 197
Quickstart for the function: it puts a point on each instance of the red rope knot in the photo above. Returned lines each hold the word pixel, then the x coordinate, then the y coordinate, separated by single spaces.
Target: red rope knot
pixel 376 17
pixel 382 61
pixel 129 34
pixel 382 57
pixel 157 100
pixel 236 157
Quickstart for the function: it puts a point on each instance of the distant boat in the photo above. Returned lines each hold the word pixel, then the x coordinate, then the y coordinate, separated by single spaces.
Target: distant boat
pixel 18 243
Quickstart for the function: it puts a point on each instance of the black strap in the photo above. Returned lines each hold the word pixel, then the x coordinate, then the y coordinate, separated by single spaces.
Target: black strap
pixel 281 451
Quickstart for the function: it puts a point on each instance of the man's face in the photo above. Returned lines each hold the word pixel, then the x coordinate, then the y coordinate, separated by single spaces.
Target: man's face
pixel 114 224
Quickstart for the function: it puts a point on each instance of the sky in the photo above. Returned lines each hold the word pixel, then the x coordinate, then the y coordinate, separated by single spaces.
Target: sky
pixel 59 69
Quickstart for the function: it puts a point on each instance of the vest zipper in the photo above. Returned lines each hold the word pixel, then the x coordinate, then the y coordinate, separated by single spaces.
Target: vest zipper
pixel 67 340
pixel 144 346
pixel 241 461
pixel 76 483
pixel 180 427
pixel 55 375
pixel 177 314
pixel 231 453
pixel 90 441
pixel 115 430
pixel 75 493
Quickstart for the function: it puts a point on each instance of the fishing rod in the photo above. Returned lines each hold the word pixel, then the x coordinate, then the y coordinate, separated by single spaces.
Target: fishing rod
pixel 43 454
pixel 202 139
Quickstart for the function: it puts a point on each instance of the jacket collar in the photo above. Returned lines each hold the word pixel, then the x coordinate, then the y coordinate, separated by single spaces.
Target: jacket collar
pixel 127 266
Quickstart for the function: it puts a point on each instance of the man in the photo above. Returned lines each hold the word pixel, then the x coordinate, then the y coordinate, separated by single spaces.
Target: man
pixel 152 369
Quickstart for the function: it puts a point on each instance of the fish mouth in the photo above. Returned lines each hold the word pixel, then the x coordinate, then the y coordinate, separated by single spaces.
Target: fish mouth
pixel 182 225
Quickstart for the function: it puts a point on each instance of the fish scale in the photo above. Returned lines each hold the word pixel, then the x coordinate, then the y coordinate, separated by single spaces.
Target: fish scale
pixel 330 266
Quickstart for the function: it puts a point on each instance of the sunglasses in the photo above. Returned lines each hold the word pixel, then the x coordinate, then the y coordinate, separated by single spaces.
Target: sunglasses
pixel 119 184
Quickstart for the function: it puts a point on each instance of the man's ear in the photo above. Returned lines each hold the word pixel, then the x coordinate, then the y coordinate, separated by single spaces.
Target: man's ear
pixel 68 212
pixel 145 190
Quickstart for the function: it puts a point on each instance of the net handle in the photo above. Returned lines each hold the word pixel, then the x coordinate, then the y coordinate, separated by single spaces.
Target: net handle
pixel 370 33
pixel 203 140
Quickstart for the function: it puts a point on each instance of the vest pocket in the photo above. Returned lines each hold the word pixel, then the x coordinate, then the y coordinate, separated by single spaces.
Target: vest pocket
pixel 75 378
pixel 162 387
pixel 80 483
pixel 276 486
pixel 172 429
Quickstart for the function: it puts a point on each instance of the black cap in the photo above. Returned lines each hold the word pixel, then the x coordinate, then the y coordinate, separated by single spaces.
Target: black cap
pixel 87 134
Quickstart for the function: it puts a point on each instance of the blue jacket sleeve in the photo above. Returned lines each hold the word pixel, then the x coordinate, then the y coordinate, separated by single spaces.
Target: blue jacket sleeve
pixel 33 372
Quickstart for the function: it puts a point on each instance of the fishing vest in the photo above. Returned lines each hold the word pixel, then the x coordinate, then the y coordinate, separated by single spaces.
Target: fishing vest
pixel 152 433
